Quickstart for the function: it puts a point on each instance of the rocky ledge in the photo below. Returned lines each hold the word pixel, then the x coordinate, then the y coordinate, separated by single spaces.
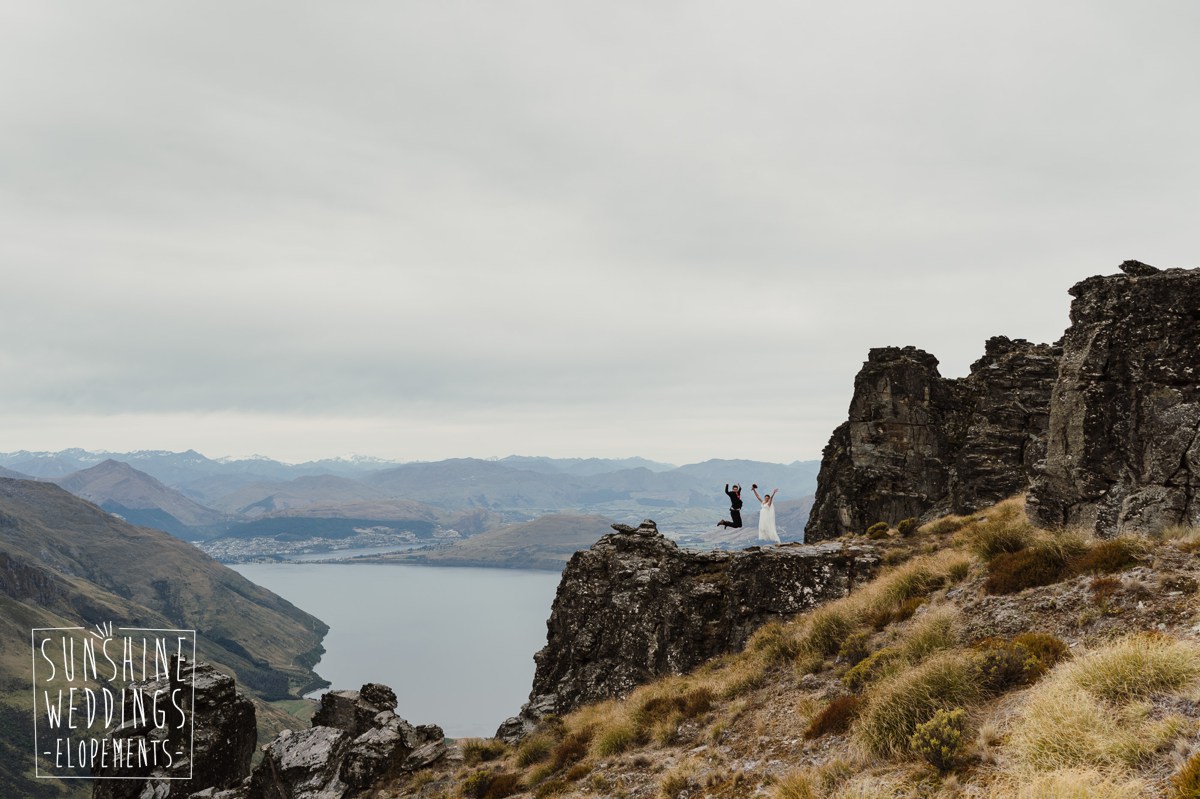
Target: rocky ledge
pixel 635 606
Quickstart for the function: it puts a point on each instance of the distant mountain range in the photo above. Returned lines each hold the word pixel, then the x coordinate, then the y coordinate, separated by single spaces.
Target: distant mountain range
pixel 199 498
pixel 66 563
pixel 547 542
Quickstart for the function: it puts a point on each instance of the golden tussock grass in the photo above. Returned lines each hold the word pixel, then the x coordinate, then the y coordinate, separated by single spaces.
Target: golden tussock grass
pixel 1071 784
pixel 895 706
pixel 1089 714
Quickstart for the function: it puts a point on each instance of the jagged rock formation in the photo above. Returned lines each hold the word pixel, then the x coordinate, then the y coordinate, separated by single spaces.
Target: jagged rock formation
pixel 635 606
pixel 1124 439
pixel 224 727
pixel 918 444
pixel 356 739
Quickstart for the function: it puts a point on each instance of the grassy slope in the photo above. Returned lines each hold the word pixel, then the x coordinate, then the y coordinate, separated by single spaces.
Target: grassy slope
pixel 824 707
pixel 90 567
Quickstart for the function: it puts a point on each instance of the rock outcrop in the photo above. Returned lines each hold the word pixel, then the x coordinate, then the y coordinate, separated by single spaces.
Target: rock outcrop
pixel 1123 449
pixel 635 606
pixel 918 444
pixel 356 739
pixel 223 721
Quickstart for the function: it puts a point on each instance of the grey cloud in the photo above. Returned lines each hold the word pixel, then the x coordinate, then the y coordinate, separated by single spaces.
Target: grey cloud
pixel 439 210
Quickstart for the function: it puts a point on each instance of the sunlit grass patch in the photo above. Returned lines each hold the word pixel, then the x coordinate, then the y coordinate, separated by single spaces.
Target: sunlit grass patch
pixel 895 707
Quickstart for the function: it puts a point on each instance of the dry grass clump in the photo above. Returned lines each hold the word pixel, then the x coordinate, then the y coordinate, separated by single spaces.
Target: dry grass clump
pixel 795 785
pixel 1088 713
pixel 931 632
pixel 678 780
pixel 1136 667
pixel 776 642
pixel 1183 536
pixel 534 749
pixel 490 785
pixel 1002 529
pixel 481 750
pixel 944 526
pixel 1073 784
pixel 896 706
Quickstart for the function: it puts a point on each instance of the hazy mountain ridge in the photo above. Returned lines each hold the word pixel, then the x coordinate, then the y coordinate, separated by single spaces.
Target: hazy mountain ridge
pixel 66 562
pixel 199 498
pixel 547 542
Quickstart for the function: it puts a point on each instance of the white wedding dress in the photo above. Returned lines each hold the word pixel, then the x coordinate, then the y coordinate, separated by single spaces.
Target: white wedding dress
pixel 766 523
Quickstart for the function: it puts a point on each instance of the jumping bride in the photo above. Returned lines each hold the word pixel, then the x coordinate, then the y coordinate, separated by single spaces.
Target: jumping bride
pixel 766 517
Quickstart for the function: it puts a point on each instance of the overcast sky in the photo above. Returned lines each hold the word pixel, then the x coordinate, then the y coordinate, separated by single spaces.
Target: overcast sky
pixel 668 229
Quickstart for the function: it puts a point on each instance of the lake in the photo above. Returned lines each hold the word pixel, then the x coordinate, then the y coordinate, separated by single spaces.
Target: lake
pixel 455 644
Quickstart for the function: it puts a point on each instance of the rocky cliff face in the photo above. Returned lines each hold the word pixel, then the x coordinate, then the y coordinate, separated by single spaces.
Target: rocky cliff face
pixel 223 720
pixel 1123 449
pixel 919 444
pixel 635 606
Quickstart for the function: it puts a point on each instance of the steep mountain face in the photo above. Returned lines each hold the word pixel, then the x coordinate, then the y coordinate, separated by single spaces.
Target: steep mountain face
pixel 1124 439
pixel 635 606
pixel 140 499
pixel 67 562
pixel 918 444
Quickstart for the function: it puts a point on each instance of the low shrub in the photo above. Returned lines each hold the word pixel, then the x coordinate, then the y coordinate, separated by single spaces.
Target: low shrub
pixel 907 527
pixel 1046 650
pixel 571 749
pixel 940 741
pixel 835 718
pixel 878 531
pixel 476 785
pixel 898 705
pixel 872 668
pixel 1106 557
pixel 551 788
pixel 854 649
pixel 1035 566
pixel 1002 664
pixel 1185 784
pixel 891 614
pixel 502 785
pixel 577 772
